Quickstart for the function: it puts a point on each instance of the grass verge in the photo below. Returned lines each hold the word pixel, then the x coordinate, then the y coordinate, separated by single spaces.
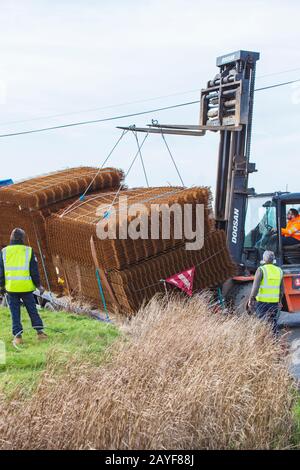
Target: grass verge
pixel 296 434
pixel 69 336
pixel 185 379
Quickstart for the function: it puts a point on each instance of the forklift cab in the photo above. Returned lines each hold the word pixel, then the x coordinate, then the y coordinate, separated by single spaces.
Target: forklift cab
pixel 288 255
pixel 266 216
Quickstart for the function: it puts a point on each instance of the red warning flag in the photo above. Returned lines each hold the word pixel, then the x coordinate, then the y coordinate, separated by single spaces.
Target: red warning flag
pixel 183 280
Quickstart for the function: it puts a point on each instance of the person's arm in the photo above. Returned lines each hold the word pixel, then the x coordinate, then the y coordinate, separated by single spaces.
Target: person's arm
pixel 295 227
pixel 2 273
pixel 256 284
pixel 34 271
pixel 281 292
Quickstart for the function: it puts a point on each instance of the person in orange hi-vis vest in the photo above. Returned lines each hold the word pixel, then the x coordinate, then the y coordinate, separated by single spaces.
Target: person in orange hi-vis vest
pixel 291 234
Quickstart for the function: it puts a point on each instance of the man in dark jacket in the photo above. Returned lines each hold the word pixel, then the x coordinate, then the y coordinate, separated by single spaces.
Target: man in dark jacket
pixel 19 277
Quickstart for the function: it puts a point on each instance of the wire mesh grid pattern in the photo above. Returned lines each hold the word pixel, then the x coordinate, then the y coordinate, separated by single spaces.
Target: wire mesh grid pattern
pixel 42 191
pixel 59 226
pixel 71 235
pixel 138 283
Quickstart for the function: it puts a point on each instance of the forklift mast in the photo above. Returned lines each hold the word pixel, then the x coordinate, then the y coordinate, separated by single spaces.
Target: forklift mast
pixel 226 106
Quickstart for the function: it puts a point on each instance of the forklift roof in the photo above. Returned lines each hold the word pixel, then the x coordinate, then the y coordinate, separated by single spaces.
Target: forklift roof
pixel 288 197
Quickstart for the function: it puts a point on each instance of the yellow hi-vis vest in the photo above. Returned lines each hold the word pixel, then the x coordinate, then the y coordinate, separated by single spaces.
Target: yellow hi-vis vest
pixel 269 290
pixel 16 260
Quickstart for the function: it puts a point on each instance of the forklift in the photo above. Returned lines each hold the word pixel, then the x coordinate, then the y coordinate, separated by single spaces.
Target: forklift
pixel 248 219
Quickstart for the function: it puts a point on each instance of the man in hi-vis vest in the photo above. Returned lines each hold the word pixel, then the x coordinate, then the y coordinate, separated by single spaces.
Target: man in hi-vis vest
pixel 19 277
pixel 267 290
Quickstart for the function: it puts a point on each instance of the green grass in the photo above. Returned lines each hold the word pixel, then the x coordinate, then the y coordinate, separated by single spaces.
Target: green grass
pixel 70 336
pixel 296 436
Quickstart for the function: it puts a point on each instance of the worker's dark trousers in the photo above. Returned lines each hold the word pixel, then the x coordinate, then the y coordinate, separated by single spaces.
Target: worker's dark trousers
pixel 14 302
pixel 268 312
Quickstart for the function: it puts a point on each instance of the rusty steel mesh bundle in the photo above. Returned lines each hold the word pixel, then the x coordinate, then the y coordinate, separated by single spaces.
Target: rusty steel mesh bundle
pixel 40 192
pixel 69 234
pixel 138 283
pixel 34 224
pixel 28 205
pixel 59 227
pixel 80 282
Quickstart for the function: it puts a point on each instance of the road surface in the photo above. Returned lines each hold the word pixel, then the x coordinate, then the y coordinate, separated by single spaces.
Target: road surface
pixel 291 322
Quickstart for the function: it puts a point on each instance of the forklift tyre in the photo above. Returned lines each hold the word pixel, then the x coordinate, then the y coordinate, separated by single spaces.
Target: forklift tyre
pixel 238 297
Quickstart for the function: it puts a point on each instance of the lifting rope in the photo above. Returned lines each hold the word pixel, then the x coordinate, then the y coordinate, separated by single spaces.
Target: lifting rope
pixel 81 198
pixel 141 157
pixel 102 295
pixel 172 158
pixel 138 153
pixel 74 205
pixel 107 213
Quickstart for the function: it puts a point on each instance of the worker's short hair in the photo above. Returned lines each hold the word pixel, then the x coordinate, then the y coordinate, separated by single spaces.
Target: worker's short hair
pixel 294 212
pixel 268 257
pixel 18 235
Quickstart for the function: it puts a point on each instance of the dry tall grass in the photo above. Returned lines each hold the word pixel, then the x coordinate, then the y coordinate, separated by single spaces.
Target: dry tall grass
pixel 183 378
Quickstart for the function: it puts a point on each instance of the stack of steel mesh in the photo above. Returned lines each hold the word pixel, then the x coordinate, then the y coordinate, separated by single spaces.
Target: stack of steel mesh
pixel 59 226
pixel 34 224
pixel 134 268
pixel 138 283
pixel 80 282
pixel 28 205
pixel 69 232
pixel 40 192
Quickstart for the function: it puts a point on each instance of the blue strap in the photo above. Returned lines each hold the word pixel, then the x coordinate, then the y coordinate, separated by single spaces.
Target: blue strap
pixel 221 298
pixel 102 294
pixel 106 214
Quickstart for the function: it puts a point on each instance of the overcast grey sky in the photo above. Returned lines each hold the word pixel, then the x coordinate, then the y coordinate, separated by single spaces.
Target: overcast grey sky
pixel 68 56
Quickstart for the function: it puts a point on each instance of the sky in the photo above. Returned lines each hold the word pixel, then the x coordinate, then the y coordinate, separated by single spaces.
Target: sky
pixel 93 59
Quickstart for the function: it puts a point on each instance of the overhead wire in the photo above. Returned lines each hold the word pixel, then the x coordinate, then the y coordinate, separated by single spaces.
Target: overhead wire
pixel 94 121
pixel 123 116
pixel 117 105
pixel 128 103
pixel 279 73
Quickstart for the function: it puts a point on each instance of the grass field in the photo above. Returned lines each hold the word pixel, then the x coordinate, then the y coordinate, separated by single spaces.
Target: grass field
pixel 296 436
pixel 70 337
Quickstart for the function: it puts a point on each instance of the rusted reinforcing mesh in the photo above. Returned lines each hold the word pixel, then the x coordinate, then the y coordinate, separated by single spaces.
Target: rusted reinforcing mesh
pixel 138 283
pixel 59 226
pixel 40 192
pixel 70 236
pixel 27 205
pixel 34 224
